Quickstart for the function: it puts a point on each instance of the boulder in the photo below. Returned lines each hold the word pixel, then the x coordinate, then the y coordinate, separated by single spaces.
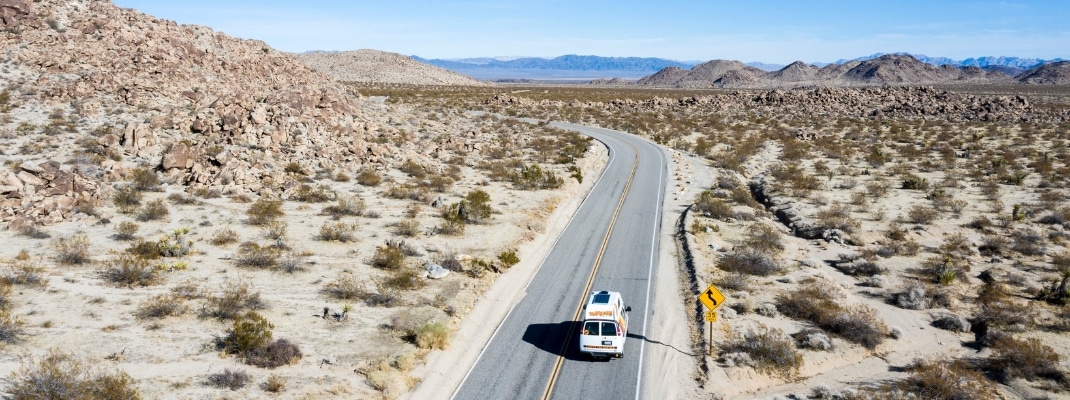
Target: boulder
pixel 435 271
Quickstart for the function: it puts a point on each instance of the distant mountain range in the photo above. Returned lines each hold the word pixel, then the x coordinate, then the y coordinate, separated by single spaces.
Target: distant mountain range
pixel 577 67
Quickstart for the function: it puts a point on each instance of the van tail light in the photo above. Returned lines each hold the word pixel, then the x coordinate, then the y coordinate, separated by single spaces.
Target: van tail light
pixel 618 330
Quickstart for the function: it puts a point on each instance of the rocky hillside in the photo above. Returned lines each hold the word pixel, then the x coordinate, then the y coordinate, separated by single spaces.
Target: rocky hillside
pixel 375 66
pixel 889 69
pixel 1057 73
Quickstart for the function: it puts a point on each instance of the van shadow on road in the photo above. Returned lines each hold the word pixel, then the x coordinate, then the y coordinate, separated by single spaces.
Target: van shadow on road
pixel 552 338
pixel 634 336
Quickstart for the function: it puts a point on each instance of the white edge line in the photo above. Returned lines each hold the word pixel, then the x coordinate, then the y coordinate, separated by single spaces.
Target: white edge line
pixel 612 156
pixel 650 271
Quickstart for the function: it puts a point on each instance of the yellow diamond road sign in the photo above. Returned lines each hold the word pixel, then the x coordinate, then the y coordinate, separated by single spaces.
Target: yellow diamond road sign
pixel 711 297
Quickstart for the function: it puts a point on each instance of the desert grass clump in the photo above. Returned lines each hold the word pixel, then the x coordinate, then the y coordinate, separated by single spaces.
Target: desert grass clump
pixel 153 211
pixel 129 270
pixel 346 205
pixel 72 250
pixel 232 301
pixel 337 232
pixel 768 350
pixel 162 306
pixel 838 216
pixel 229 379
pixel 404 278
pixel 184 199
pixel 433 336
pixel 264 210
pixel 936 380
pixel 126 230
pixel 60 375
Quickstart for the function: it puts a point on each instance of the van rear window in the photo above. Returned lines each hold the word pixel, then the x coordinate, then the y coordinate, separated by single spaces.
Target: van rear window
pixel 600 328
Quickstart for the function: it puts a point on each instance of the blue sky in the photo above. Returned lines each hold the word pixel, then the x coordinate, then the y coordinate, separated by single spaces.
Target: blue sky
pixel 699 30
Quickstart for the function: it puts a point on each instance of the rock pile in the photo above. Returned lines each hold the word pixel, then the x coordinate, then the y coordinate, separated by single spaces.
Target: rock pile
pixel 42 193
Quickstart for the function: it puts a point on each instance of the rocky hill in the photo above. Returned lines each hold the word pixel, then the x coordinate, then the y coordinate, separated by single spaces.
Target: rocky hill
pixel 1057 73
pixel 381 67
pixel 889 69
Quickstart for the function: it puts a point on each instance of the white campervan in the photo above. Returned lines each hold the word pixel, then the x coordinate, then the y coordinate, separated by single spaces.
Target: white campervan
pixel 605 325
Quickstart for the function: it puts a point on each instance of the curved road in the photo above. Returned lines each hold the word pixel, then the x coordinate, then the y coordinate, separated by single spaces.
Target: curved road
pixel 522 358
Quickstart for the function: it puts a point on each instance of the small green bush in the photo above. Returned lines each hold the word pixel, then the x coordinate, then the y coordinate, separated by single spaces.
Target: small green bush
pixel 509 258
pixel 264 210
pixel 404 279
pixel 249 332
pixel 454 219
pixel 478 206
pixel 709 205
pixel 914 182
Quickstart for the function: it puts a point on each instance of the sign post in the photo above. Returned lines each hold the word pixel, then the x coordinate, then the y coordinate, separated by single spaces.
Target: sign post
pixel 711 298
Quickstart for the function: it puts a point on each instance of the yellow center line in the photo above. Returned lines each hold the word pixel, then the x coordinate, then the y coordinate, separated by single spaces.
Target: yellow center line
pixel 590 281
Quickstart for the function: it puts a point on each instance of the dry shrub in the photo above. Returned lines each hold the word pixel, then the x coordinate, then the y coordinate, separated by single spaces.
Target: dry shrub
pixel 345 287
pixel 749 262
pixel 252 255
pixel 153 210
pixel 162 306
pixel 1028 359
pixel 126 230
pixel 369 177
pixel 182 199
pixel 145 179
pixel 234 299
pixel 764 239
pixel 404 279
pixel 336 231
pixel 275 354
pixel 275 383
pixel 229 379
pixel 913 297
pixel 922 214
pixel 838 216
pixel 956 380
pixel 817 303
pixel 24 272
pixel 60 375
pixel 73 250
pixel 433 336
pixel 709 205
pixel 224 236
pixel 508 258
pixel 313 194
pixel 348 205
pixel 129 270
pixel 769 350
pixel 408 227
pixel 388 258
pixel 264 210
pixel 127 199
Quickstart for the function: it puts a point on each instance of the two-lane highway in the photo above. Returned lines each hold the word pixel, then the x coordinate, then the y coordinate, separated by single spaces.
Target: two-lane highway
pixel 610 244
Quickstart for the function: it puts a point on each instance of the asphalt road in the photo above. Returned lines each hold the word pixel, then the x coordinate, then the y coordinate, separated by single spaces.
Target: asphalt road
pixel 519 361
